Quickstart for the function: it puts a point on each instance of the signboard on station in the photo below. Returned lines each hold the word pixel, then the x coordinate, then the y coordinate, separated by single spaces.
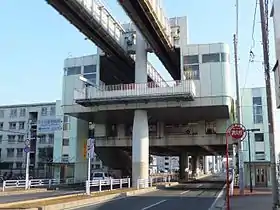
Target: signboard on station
pixel 85 149
pixel 90 148
pixel 49 125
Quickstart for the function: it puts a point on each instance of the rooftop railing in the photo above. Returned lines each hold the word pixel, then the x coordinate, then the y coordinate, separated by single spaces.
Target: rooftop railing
pixel 183 87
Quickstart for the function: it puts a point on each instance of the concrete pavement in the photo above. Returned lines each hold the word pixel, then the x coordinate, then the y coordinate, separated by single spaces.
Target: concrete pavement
pixel 258 200
pixel 187 196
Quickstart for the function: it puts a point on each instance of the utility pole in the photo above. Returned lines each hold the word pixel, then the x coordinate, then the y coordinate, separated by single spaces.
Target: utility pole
pixel 27 150
pixel 238 111
pixel 240 154
pixel 264 28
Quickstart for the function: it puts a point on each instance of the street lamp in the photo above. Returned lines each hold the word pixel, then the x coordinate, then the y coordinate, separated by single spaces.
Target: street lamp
pixel 249 150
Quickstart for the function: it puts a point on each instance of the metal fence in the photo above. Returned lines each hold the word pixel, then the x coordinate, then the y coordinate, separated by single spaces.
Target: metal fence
pixel 185 87
pixel 8 184
pixel 109 184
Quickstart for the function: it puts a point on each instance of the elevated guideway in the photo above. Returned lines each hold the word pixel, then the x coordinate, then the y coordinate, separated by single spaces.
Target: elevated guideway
pixel 149 18
pixel 94 20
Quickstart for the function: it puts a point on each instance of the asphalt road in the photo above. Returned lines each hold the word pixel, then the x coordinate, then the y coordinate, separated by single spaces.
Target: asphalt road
pixel 188 196
pixel 190 191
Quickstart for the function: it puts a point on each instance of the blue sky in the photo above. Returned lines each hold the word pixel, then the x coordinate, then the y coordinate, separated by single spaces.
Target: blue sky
pixel 35 40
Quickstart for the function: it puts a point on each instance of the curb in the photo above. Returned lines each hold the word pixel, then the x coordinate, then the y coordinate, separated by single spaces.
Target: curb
pixel 219 203
pixel 20 192
pixel 82 202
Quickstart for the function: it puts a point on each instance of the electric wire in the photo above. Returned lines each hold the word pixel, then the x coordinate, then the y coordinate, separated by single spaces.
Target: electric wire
pixel 251 53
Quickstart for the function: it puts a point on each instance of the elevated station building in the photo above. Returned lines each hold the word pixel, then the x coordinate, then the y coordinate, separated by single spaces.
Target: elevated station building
pixel 135 112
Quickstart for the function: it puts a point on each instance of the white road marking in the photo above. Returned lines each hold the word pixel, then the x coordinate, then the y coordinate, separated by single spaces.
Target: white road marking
pixel 155 204
pixel 198 186
pixel 184 192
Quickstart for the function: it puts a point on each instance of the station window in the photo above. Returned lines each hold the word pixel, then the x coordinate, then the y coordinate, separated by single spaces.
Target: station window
pixel 211 58
pixel 89 69
pixel 191 59
pixel 191 72
pixel 224 57
pixel 73 70
pixel 210 127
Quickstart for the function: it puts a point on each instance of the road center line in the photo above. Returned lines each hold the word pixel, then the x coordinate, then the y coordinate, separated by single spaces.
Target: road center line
pixel 155 204
pixel 184 192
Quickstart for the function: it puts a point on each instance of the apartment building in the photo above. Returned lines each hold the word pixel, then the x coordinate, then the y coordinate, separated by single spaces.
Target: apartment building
pixel 254 116
pixel 19 123
pixel 46 127
pixel 167 163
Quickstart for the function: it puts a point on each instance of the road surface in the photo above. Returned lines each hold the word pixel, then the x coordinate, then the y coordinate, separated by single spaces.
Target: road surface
pixel 189 193
pixel 189 196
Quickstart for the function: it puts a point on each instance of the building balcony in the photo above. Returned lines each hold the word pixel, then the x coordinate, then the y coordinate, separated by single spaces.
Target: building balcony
pixel 144 92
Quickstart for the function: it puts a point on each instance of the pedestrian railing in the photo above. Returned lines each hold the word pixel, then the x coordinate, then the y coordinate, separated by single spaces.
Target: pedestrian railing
pixel 144 183
pixel 13 184
pixel 8 184
pixel 111 183
pixel 42 182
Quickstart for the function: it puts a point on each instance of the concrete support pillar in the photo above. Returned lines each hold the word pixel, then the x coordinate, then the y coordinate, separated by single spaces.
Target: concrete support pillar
pixel 184 166
pixel 141 75
pixel 160 129
pixel 213 164
pixel 140 133
pixel 205 165
pixel 219 163
pixel 194 165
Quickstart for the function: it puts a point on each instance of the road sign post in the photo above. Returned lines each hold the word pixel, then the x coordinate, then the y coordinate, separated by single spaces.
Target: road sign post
pixel 27 151
pixel 90 154
pixel 237 132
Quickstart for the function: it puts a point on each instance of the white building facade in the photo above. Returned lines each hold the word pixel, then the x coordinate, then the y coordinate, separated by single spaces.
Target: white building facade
pixel 254 116
pixel 275 14
pixel 70 149
pixel 17 123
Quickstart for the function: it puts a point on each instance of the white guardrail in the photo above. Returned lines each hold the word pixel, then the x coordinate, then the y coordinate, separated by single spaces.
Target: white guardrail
pixel 111 183
pixel 144 183
pixel 108 182
pixel 31 183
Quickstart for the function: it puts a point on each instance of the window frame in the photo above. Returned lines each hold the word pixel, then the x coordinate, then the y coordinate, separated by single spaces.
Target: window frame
pixel 22 112
pixel 190 59
pixel 206 58
pixel 65 142
pixel 13 113
pixel 193 73
pixel 257 135
pixel 87 67
pixel 73 70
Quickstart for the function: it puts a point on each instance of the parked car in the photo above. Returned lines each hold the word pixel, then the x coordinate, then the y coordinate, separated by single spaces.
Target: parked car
pixel 100 176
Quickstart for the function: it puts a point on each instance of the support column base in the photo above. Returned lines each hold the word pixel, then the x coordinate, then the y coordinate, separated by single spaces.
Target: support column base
pixel 140 170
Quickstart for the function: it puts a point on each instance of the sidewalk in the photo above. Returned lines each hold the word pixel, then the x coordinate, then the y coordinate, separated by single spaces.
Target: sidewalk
pixel 259 199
